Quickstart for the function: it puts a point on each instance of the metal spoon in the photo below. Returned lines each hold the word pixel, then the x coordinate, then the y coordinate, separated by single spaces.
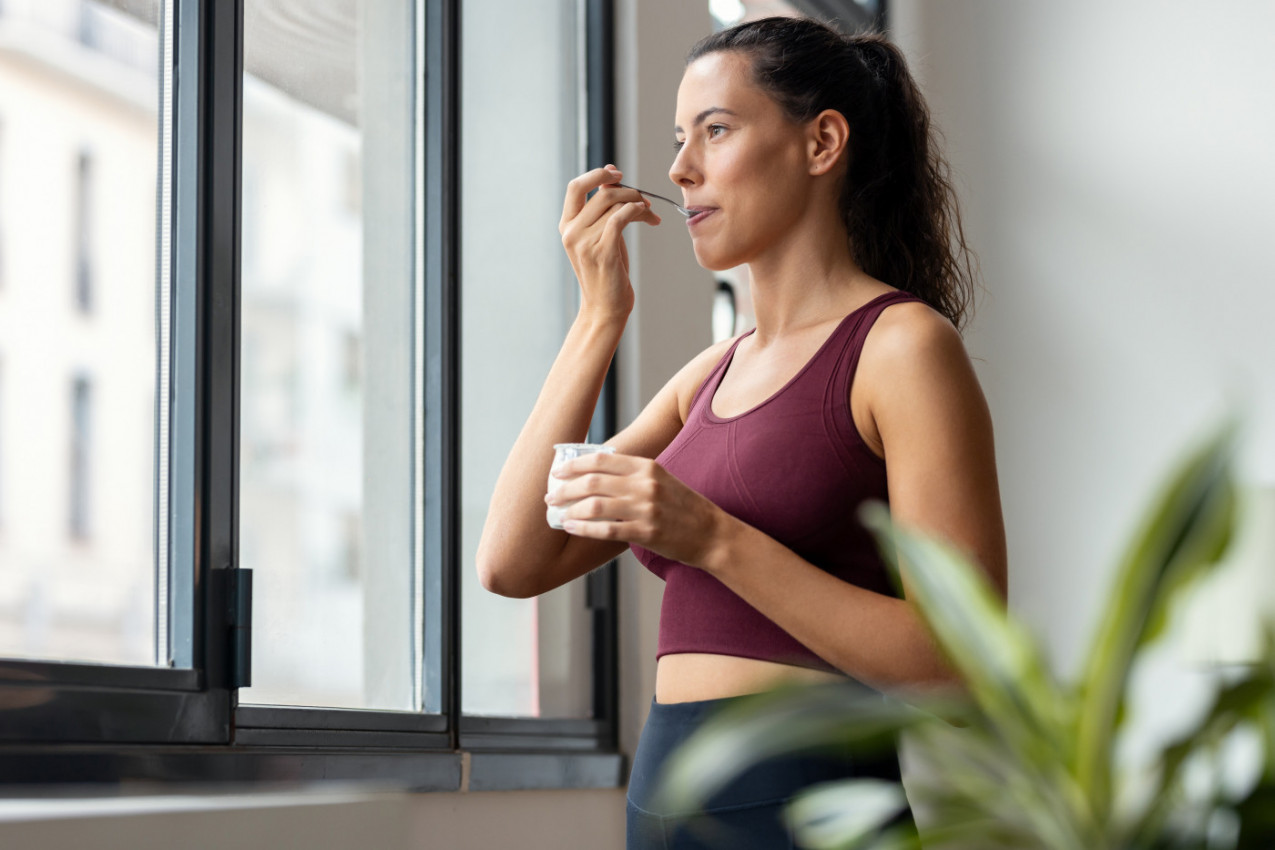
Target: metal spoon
pixel 683 210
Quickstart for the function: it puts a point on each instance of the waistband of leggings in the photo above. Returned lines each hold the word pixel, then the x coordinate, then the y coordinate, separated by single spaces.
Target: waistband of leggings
pixel 699 708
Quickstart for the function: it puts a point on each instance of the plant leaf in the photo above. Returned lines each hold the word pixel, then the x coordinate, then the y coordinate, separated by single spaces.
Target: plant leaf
pixel 1188 528
pixel 972 775
pixel 997 658
pixel 1233 704
pixel 1257 819
pixel 846 815
pixel 848 719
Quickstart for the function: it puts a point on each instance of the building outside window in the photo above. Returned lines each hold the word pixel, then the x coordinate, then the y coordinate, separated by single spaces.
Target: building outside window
pixel 80 136
pixel 84 231
pixel 81 458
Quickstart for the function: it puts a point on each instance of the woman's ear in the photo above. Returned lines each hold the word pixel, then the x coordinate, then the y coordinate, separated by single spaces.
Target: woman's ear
pixel 829 135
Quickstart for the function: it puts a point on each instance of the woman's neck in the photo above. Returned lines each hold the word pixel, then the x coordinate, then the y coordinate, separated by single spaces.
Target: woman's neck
pixel 796 286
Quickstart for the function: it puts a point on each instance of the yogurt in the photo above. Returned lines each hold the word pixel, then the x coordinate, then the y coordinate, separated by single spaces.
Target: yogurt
pixel 563 452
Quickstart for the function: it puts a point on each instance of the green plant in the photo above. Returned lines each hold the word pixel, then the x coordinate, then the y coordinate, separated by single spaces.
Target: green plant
pixel 1021 759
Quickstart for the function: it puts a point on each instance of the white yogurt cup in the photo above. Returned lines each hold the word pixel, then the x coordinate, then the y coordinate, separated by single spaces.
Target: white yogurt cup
pixel 563 452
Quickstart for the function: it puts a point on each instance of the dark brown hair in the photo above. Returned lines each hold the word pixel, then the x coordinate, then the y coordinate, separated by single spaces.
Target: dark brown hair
pixel 898 203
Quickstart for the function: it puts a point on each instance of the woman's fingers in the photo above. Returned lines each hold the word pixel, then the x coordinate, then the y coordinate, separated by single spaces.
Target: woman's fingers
pixel 603 529
pixel 604 495
pixel 633 499
pixel 601 509
pixel 589 477
pixel 605 203
pixel 621 217
pixel 577 196
pixel 579 211
pixel 579 188
pixel 588 485
pixel 608 462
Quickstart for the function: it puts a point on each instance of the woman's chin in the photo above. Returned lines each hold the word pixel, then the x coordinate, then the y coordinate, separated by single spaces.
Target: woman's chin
pixel 714 261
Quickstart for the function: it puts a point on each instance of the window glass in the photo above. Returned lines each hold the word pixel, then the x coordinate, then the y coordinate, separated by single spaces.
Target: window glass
pixel 327 370
pixel 79 104
pixel 522 141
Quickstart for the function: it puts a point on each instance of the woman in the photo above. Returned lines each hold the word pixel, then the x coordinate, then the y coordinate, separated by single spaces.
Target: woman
pixel 808 156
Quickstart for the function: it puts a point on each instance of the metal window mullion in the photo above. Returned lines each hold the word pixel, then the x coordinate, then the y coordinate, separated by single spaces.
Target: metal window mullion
pixel 441 367
pixel 220 144
pixel 178 454
pixel 421 659
pixel 846 15
pixel 164 365
pixel 600 147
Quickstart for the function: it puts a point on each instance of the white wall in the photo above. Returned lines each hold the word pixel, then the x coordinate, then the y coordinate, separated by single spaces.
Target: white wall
pixel 1114 162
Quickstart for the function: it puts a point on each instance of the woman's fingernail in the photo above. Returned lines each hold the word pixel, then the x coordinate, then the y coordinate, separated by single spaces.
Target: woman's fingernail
pixel 569 526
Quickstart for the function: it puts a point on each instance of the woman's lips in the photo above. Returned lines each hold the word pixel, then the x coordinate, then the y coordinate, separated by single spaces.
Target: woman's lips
pixel 701 213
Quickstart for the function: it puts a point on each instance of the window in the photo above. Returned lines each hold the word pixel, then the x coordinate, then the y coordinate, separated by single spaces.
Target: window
pixel 847 15
pixel 81 443
pixel 270 496
pixel 725 314
pixel 326 445
pixel 83 212
pixel 524 658
pixel 78 574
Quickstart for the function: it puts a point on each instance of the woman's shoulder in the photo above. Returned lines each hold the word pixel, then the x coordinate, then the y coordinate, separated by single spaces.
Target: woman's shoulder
pixel 911 347
pixel 688 379
pixel 913 375
pixel 913 352
pixel 911 329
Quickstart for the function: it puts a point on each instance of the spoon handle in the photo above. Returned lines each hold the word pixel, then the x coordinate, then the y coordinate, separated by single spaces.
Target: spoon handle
pixel 683 210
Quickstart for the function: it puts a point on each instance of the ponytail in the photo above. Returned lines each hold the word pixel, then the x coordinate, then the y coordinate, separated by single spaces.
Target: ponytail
pixel 898 204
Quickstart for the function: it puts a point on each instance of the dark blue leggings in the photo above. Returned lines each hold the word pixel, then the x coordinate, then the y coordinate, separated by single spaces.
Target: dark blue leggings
pixel 747 813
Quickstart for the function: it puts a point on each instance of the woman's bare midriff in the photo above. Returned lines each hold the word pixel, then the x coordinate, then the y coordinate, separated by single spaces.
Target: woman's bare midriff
pixel 693 676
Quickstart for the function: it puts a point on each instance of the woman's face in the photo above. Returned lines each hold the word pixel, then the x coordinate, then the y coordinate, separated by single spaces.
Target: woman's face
pixel 739 159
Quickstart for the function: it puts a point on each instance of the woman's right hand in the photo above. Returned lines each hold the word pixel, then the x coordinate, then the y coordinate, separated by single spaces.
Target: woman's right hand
pixel 592 234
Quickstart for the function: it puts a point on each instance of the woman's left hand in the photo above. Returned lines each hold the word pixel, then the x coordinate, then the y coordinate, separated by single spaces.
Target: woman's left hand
pixel 633 499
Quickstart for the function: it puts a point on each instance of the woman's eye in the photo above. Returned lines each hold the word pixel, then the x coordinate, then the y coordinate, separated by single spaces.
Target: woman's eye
pixel 677 145
pixel 715 130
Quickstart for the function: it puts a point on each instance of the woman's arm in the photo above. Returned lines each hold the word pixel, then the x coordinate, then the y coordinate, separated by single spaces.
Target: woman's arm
pixel 512 559
pixel 919 405
pixel 922 406
pixel 518 553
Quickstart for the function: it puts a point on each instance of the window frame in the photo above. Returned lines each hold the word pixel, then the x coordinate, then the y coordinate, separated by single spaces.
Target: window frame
pixel 847 15
pixel 97 723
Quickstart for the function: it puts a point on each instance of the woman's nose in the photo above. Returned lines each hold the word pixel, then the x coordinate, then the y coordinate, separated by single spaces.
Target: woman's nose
pixel 682 172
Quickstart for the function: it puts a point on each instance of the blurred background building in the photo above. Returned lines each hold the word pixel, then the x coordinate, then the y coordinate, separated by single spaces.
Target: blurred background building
pixel 79 192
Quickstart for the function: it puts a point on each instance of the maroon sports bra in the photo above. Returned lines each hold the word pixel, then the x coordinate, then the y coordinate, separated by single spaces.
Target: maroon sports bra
pixel 795 468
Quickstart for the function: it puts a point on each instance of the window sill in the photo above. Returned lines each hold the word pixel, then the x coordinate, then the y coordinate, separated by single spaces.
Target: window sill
pixel 88 806
pixel 62 771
